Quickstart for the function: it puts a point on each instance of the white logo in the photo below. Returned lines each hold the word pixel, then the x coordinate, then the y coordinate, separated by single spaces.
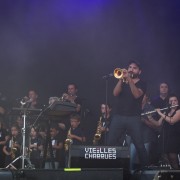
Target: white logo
pixel 100 153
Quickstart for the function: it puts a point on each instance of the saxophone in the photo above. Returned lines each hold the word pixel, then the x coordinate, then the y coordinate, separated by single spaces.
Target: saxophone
pixel 13 149
pixel 68 141
pixel 98 133
pixel 28 149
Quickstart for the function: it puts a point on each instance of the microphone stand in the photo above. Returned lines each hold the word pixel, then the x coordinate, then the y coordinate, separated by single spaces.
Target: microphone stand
pixel 23 157
pixel 106 104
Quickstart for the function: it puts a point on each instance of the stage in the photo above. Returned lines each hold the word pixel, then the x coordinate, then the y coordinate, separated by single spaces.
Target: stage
pixel 88 174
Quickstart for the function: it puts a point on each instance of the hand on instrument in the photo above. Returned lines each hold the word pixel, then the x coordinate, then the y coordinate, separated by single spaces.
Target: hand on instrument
pixel 65 96
pixel 159 112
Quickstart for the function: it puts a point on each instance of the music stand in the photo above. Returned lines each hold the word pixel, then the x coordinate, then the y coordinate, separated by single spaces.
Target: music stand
pixel 23 156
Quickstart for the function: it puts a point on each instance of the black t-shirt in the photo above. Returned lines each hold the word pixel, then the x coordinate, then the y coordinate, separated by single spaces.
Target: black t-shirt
pixel 57 153
pixel 158 102
pixel 3 134
pixel 35 152
pixel 126 103
pixel 78 132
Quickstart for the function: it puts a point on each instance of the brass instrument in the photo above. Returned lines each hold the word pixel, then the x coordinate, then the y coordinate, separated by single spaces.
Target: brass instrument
pixel 62 98
pixel 118 73
pixel 29 150
pixel 13 149
pixel 68 141
pixel 98 133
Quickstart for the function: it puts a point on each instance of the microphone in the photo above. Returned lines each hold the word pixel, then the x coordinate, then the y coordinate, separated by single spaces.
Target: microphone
pixel 25 100
pixel 108 76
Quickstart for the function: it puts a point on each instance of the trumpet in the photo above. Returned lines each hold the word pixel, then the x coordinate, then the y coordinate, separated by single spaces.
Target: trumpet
pixel 118 73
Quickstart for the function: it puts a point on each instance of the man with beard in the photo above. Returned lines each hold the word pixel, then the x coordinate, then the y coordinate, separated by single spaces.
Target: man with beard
pixel 129 92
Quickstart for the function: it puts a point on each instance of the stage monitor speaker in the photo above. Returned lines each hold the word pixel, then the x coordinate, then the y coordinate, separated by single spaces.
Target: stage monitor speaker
pixel 167 175
pixel 6 174
pixel 99 157
pixel 81 174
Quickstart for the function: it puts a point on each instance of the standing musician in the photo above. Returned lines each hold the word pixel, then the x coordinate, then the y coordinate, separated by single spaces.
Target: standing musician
pixel 31 101
pixel 129 91
pixel 171 132
pixel 70 96
pixel 102 130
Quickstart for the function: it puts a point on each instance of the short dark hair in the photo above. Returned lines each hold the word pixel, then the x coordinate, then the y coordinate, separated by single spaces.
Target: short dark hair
pixel 54 126
pixel 75 116
pixel 108 104
pixel 164 82
pixel 74 84
pixel 173 95
pixel 132 61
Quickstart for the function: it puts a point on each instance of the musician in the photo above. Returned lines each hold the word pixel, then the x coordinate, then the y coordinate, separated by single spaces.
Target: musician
pixel 35 147
pixel 12 146
pixel 155 121
pixel 103 125
pixel 129 91
pixel 171 131
pixel 32 100
pixel 76 134
pixel 105 122
pixel 3 139
pixel 57 148
pixel 148 134
pixel 72 97
pixel 161 101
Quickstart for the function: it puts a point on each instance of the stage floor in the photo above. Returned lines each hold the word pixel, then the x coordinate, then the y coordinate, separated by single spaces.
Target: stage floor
pixel 88 174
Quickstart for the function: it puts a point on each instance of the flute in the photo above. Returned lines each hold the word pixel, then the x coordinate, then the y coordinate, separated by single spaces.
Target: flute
pixel 150 112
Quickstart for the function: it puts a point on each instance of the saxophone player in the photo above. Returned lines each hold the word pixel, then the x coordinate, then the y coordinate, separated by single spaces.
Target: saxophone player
pixel 12 147
pixel 103 126
pixel 77 136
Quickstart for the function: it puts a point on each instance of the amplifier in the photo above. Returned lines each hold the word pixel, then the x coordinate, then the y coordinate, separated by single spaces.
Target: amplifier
pixel 99 157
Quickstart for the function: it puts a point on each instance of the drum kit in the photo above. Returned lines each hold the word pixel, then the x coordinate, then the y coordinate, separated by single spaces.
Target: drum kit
pixel 57 107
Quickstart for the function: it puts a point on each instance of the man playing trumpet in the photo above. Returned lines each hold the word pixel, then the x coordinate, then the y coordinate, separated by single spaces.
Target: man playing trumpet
pixel 129 91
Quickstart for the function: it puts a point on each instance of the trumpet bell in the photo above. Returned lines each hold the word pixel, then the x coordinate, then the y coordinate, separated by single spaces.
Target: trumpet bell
pixel 118 73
